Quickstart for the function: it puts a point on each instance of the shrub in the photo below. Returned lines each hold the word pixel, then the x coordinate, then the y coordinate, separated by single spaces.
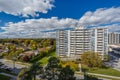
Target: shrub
pixel 72 65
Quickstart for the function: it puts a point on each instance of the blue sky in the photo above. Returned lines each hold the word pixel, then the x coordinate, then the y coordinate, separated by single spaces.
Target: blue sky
pixel 29 18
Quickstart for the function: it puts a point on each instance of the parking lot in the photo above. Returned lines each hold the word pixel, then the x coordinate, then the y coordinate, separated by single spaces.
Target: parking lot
pixel 114 62
pixel 9 66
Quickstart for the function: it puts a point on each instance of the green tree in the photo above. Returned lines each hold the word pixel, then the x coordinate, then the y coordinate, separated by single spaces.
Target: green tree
pixel 91 59
pixel 66 74
pixel 35 69
pixel 53 68
pixel 46 43
pixel 33 45
pixel 30 73
pixel 21 74
pixel 27 42
pixel 53 62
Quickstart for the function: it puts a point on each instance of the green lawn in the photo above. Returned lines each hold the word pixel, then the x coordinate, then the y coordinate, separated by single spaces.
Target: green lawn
pixel 2 77
pixel 44 60
pixel 105 70
pixel 53 54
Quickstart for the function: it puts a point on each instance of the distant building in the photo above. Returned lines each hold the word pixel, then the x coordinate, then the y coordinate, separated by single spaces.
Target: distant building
pixel 114 38
pixel 76 41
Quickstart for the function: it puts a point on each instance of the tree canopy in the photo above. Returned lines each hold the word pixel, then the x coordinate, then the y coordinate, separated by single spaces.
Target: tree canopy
pixel 91 59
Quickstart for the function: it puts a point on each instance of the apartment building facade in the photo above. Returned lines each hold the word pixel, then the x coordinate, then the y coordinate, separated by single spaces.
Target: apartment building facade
pixel 76 41
pixel 113 38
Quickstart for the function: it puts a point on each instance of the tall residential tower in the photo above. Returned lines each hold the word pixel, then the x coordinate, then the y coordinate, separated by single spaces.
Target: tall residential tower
pixel 114 38
pixel 76 41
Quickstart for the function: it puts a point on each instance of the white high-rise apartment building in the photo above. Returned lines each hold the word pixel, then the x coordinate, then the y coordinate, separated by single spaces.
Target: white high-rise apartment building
pixel 113 38
pixel 76 41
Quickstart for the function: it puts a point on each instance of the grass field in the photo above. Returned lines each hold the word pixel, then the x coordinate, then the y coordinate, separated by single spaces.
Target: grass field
pixel 107 71
pixel 104 70
pixel 2 77
pixel 44 60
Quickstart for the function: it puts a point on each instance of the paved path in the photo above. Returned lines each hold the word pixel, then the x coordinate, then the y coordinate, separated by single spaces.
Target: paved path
pixel 9 75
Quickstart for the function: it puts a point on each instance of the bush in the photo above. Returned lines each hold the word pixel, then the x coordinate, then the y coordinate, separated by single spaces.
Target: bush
pixel 89 77
pixel 73 65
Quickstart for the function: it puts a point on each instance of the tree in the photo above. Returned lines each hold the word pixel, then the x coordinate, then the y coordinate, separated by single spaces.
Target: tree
pixel 91 59
pixel 33 45
pixel 53 62
pixel 35 69
pixel 66 74
pixel 46 43
pixel 30 73
pixel 52 69
pixel 21 74
pixel 106 57
pixel 27 42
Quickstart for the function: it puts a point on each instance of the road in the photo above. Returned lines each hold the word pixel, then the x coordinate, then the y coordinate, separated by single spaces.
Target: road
pixel 9 75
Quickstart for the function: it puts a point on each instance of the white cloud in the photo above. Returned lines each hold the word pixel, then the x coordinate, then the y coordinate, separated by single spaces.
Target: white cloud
pixel 34 27
pixel 114 28
pixel 25 7
pixel 111 27
pixel 101 16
